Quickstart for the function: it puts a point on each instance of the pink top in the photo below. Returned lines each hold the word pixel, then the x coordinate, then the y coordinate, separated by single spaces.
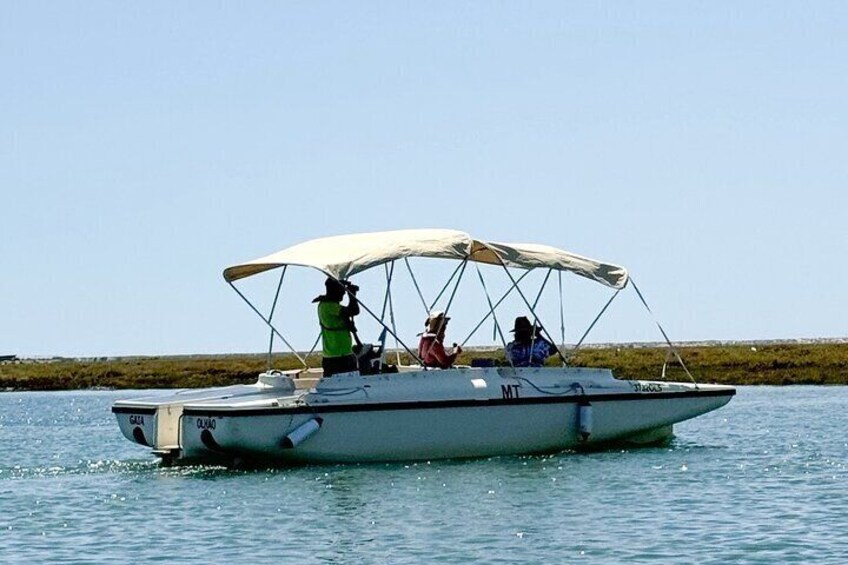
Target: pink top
pixel 432 352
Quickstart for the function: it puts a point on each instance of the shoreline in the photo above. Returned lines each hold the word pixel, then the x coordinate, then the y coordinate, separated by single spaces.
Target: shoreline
pixel 822 362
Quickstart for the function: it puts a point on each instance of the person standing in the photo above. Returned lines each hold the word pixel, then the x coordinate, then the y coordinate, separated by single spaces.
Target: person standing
pixel 337 326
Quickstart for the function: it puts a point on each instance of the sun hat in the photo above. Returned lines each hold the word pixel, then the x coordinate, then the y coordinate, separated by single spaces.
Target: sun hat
pixel 522 325
pixel 435 319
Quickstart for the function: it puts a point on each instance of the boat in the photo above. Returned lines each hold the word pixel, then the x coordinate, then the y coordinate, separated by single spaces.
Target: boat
pixel 408 411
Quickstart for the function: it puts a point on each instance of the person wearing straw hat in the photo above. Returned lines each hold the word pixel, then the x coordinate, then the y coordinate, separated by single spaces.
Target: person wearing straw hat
pixel 528 348
pixel 431 348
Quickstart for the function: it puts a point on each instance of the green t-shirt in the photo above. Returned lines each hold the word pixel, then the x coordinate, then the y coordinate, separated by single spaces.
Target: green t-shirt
pixel 335 336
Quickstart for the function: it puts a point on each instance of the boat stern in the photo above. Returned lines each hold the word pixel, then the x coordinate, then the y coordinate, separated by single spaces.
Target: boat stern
pixel 137 423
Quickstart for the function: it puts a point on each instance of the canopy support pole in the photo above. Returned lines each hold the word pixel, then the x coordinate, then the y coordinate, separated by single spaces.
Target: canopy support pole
pixel 417 288
pixel 662 331
pixel 394 335
pixel 444 288
pixel 535 303
pixel 269 324
pixel 450 300
pixel 271 315
pixel 389 275
pixel 533 311
pixel 492 312
pixel 595 321
pixel 455 287
pixel 561 312
pixel 542 288
pixel 498 303
pixel 314 345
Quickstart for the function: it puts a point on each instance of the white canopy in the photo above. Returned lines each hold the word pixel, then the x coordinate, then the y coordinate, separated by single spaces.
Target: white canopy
pixel 345 255
pixel 534 255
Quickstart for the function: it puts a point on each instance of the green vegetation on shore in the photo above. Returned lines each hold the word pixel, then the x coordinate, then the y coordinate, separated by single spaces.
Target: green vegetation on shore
pixel 773 364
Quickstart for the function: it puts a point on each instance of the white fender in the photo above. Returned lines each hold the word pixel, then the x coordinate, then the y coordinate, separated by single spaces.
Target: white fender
pixel 302 433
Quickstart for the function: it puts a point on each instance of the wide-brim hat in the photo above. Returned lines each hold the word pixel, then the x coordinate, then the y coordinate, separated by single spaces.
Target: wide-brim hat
pixel 435 319
pixel 522 325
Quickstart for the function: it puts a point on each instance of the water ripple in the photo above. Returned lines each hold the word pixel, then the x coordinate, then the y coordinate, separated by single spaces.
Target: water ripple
pixel 758 481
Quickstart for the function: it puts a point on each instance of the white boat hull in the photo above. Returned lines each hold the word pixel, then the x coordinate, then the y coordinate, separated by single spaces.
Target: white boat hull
pixel 434 415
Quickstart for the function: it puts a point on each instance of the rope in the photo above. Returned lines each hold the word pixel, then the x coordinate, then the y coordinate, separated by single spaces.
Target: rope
pixel 339 391
pixel 572 389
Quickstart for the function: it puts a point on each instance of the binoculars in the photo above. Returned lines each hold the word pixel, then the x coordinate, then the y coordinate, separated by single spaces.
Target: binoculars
pixel 349 286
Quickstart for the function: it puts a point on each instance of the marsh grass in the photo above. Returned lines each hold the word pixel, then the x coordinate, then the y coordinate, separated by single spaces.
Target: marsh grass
pixel 779 364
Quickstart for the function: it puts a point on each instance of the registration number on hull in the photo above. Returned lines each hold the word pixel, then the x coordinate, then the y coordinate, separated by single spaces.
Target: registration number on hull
pixel 206 423
pixel 645 387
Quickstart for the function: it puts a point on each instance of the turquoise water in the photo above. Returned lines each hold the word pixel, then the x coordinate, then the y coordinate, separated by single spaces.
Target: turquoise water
pixel 760 480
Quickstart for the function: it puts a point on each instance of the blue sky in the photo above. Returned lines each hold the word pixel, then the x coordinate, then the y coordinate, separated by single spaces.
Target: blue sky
pixel 146 146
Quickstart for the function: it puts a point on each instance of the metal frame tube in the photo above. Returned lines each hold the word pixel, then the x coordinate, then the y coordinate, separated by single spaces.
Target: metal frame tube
pixel 271 314
pixel 662 331
pixel 542 288
pixel 561 311
pixel 417 288
pixel 498 303
pixel 535 303
pixel 269 324
pixel 392 320
pixel 595 321
pixel 389 273
pixel 492 312
pixel 455 287
pixel 444 288
pixel 408 350
pixel 312 349
pixel 533 311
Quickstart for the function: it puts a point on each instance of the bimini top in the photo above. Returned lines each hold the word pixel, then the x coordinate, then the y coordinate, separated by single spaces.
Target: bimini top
pixel 345 255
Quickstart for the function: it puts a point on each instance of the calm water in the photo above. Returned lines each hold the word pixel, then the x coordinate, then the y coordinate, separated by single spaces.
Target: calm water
pixel 762 480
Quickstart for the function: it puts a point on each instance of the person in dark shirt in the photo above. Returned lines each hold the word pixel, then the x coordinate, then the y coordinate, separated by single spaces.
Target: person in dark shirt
pixel 528 348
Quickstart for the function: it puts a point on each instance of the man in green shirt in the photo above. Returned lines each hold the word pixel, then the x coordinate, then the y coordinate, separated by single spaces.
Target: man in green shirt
pixel 336 326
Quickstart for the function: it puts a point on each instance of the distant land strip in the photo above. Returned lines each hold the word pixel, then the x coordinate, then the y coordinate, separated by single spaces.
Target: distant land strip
pixel 777 362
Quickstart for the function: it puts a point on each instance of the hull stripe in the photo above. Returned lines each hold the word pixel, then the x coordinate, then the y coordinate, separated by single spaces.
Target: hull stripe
pixel 440 404
pixel 145 410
